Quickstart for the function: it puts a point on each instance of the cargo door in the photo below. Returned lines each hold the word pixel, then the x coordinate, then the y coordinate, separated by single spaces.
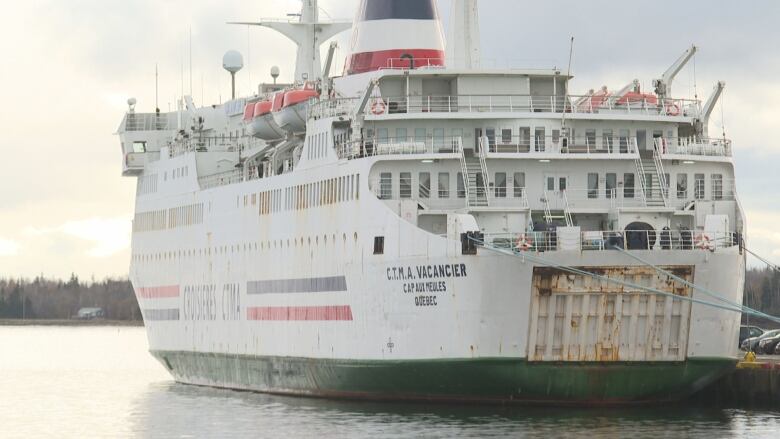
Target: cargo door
pixel 579 318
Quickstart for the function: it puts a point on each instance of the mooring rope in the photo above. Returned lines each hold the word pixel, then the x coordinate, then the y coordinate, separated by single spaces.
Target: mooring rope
pixel 729 306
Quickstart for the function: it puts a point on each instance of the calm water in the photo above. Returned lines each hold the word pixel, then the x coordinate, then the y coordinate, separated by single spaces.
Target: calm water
pixel 100 382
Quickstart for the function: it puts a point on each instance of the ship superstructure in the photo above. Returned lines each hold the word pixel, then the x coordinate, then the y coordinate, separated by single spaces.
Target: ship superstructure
pixel 398 231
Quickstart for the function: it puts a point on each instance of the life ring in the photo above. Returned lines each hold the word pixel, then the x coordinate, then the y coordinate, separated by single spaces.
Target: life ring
pixel 704 242
pixel 524 243
pixel 378 107
pixel 673 110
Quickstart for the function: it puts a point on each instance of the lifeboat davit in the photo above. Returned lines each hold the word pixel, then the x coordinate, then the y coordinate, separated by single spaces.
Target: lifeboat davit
pixel 290 107
pixel 260 122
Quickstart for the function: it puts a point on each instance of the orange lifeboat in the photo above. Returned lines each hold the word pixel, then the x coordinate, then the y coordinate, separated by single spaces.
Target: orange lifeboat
pixel 290 107
pixel 637 99
pixel 260 122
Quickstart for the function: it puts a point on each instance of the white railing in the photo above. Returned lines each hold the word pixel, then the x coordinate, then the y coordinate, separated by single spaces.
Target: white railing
pixel 398 146
pixel 499 144
pixel 483 167
pixel 694 146
pixel 655 240
pixel 221 179
pixel 659 167
pixel 331 107
pixel 147 122
pixel 463 168
pixel 574 104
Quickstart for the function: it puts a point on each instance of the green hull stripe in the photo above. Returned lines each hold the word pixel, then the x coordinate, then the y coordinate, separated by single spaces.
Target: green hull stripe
pixel 484 379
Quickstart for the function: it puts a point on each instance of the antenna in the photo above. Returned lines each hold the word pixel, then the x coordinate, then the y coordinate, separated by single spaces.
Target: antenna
pixel 233 62
pixel 190 60
pixel 156 90
pixel 566 84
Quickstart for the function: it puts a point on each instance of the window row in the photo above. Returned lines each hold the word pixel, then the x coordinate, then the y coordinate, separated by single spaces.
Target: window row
pixel 182 216
pixel 501 185
pixel 680 185
pixel 305 196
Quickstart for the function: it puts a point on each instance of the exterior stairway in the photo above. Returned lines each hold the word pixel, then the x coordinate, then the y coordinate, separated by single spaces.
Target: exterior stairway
pixel 475 182
pixel 650 184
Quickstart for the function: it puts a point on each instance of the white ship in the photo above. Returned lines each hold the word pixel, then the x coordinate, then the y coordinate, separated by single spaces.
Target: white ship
pixel 422 228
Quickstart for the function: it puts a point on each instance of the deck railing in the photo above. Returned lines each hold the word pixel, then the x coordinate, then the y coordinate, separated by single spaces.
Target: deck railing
pixel 575 104
pixel 655 240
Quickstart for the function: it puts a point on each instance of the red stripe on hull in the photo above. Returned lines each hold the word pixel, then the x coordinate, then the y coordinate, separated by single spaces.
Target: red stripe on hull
pixel 392 59
pixel 300 313
pixel 165 292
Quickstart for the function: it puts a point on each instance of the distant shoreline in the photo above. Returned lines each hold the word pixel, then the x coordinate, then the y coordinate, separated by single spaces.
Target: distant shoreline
pixel 69 322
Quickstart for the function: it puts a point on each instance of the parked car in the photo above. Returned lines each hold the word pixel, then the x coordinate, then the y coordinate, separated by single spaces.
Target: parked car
pixel 748 332
pixel 751 344
pixel 767 344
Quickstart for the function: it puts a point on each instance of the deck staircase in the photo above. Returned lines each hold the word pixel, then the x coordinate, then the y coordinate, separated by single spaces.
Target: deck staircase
pixel 653 187
pixel 475 176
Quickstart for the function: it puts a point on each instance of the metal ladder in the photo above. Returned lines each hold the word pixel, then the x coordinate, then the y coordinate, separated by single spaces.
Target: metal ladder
pixel 549 218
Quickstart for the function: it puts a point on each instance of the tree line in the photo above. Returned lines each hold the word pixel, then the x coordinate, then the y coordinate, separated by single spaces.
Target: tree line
pixel 42 298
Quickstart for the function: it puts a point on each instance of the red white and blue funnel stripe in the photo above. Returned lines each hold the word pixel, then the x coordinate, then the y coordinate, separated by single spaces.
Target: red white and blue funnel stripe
pixel 396 34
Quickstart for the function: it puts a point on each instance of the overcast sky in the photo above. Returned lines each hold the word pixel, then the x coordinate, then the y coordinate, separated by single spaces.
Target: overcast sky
pixel 69 67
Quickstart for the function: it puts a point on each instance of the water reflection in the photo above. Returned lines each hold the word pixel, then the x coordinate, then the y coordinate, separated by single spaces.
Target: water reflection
pixel 169 409
pixel 101 382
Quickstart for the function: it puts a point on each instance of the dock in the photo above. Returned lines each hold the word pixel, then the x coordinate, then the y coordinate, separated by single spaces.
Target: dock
pixel 754 382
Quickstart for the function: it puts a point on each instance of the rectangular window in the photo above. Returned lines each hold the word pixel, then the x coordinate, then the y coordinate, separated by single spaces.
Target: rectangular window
pixel 438 138
pixel 628 185
pixel 500 185
pixel 379 245
pixel 539 140
pixel 461 187
pixel 590 139
pixel 519 184
pixel 385 186
pixel 506 136
pixel 524 140
pixel 420 134
pixel 562 183
pixel 405 185
pixel 607 140
pixel 425 184
pixel 401 135
pixel 382 136
pixel 698 186
pixel 551 184
pixel 444 184
pixel 717 186
pixel 682 186
pixel 593 185
pixel 624 134
pixel 611 186
pixel 556 136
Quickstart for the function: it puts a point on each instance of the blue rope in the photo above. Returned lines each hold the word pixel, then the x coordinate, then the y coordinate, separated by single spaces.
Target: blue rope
pixel 573 270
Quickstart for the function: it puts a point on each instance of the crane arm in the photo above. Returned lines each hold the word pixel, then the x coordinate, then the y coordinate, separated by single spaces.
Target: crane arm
pixel 663 86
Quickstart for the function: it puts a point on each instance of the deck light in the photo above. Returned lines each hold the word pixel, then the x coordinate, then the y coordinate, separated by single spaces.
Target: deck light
pixel 688 162
pixel 544 161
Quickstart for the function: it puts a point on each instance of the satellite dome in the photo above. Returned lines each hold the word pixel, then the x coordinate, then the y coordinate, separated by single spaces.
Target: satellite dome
pixel 232 61
pixel 275 72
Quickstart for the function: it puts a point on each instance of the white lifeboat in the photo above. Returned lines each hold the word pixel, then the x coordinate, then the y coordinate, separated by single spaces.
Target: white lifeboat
pixel 290 107
pixel 260 122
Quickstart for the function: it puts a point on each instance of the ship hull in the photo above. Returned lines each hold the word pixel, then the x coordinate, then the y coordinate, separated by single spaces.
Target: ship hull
pixel 483 380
